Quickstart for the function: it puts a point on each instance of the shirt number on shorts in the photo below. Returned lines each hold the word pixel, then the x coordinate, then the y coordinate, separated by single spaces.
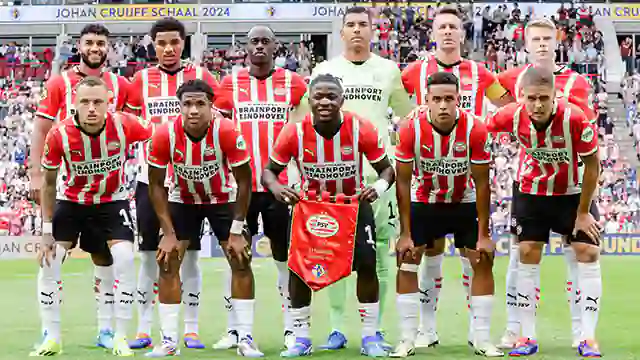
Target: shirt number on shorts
pixel 369 232
pixel 126 218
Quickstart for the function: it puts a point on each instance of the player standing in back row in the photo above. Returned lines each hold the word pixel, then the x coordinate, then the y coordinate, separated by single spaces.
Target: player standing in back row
pixel 476 83
pixel 57 103
pixel 554 134
pixel 260 100
pixel 91 147
pixel 371 85
pixel 153 97
pixel 573 87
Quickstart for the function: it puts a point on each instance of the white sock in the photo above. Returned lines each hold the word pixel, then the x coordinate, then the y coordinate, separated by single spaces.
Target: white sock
pixel 283 290
pixel 125 284
pixel 430 283
pixel 103 278
pixel 244 309
pixel 228 304
pixel 147 285
pixel 301 321
pixel 573 292
pixel 527 279
pixel 369 313
pixel 482 309
pixel 513 324
pixel 408 311
pixel 467 277
pixel 590 280
pixel 49 297
pixel 191 290
pixel 169 314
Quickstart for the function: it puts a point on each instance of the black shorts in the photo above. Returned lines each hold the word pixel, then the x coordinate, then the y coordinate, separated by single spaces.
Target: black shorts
pixel 188 220
pixel 275 222
pixel 537 216
pixel 430 222
pixel 95 224
pixel 148 223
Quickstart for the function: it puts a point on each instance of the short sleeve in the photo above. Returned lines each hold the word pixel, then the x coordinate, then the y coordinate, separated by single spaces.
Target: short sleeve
pixel 371 143
pixel 501 121
pixel 298 89
pixel 52 154
pixel 158 154
pixel 210 79
pixel 488 81
pixel 286 143
pixel 507 80
pixel 580 95
pixel 233 144
pixel 411 77
pixel 405 150
pixel 50 99
pixel 123 93
pixel 585 137
pixel 134 98
pixel 479 144
pixel 224 98
pixel 134 128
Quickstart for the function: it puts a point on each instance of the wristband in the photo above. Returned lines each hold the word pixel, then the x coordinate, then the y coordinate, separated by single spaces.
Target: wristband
pixel 237 227
pixel 380 186
pixel 47 228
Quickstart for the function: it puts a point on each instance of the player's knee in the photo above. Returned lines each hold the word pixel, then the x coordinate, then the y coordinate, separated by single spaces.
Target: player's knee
pixel 122 252
pixel 586 253
pixel 240 267
pixel 530 252
pixel 436 249
pixel 102 258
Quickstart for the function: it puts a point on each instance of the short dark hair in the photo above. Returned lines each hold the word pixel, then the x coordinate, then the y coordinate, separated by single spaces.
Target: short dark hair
pixel 450 10
pixel 328 78
pixel 195 86
pixel 356 10
pixel 97 29
pixel 168 24
pixel 91 81
pixel 443 78
pixel 538 76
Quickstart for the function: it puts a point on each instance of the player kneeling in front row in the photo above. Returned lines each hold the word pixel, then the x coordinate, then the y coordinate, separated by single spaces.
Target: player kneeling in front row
pixel 328 147
pixel 448 148
pixel 92 202
pixel 555 135
pixel 207 153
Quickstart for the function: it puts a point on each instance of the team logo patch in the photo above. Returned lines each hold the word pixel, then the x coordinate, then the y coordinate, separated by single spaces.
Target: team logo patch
pixel 322 225
pixel 280 91
pixel 44 94
pixel 587 134
pixel 487 145
pixel 460 147
pixel 113 146
pixel 318 271
pixel 240 143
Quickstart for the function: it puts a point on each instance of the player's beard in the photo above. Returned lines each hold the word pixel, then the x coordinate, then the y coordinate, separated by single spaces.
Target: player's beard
pixel 93 65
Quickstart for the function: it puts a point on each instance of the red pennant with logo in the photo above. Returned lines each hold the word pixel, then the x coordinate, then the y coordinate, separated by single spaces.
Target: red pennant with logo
pixel 323 233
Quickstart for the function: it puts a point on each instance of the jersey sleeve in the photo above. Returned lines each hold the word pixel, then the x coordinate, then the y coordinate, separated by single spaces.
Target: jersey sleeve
pixel 286 145
pixel 233 144
pixel 298 89
pixel 479 144
pixel 411 77
pixel 507 80
pixel 224 98
pixel 501 121
pixel 405 150
pixel 51 99
pixel 52 154
pixel 585 137
pixel 134 98
pixel 580 95
pixel 488 81
pixel 370 142
pixel 210 79
pixel 399 100
pixel 123 94
pixel 158 154
pixel 134 128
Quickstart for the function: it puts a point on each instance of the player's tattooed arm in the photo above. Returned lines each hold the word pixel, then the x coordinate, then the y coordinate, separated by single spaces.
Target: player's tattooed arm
pixel 242 174
pixel 480 174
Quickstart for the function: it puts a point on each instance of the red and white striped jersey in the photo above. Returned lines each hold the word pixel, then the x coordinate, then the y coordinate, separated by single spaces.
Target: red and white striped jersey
pixel 57 100
pixel 93 164
pixel 549 163
pixel 476 82
pixel 442 162
pixel 153 96
pixel 333 165
pixel 202 172
pixel 261 108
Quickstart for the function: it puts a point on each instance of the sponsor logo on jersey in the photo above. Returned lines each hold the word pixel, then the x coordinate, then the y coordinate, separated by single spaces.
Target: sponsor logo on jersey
pixel 445 167
pixel 549 156
pixel 466 100
pixel 197 173
pixel 163 106
pixel 366 93
pixel 97 167
pixel 330 171
pixel 322 225
pixel 266 111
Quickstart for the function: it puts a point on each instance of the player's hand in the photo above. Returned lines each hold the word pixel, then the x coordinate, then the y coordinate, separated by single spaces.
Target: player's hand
pixel 46 251
pixel 238 247
pixel 284 194
pixel 405 244
pixel 587 224
pixel 35 185
pixel 485 245
pixel 368 194
pixel 168 244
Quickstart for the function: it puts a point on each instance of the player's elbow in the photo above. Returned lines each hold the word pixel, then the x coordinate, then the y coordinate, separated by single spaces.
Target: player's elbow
pixel 42 128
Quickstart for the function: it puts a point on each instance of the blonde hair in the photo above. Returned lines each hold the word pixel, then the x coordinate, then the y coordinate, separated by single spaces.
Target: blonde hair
pixel 544 23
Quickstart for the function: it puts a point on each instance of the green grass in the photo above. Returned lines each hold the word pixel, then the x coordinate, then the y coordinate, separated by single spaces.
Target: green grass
pixel 19 323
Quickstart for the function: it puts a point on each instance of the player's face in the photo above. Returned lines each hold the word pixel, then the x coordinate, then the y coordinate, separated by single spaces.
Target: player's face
pixel 541 44
pixel 261 46
pixel 443 101
pixel 91 106
pixel 356 31
pixel 169 47
pixel 538 101
pixel 93 50
pixel 325 101
pixel 197 111
pixel 448 32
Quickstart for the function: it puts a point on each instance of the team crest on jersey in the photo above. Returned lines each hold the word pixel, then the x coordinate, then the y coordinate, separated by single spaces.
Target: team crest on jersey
pixel 322 225
pixel 459 147
pixel 587 134
pixel 114 145
pixel 45 151
pixel 44 94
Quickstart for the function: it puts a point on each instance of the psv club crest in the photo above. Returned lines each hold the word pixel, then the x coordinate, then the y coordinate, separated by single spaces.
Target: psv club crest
pixel 322 225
